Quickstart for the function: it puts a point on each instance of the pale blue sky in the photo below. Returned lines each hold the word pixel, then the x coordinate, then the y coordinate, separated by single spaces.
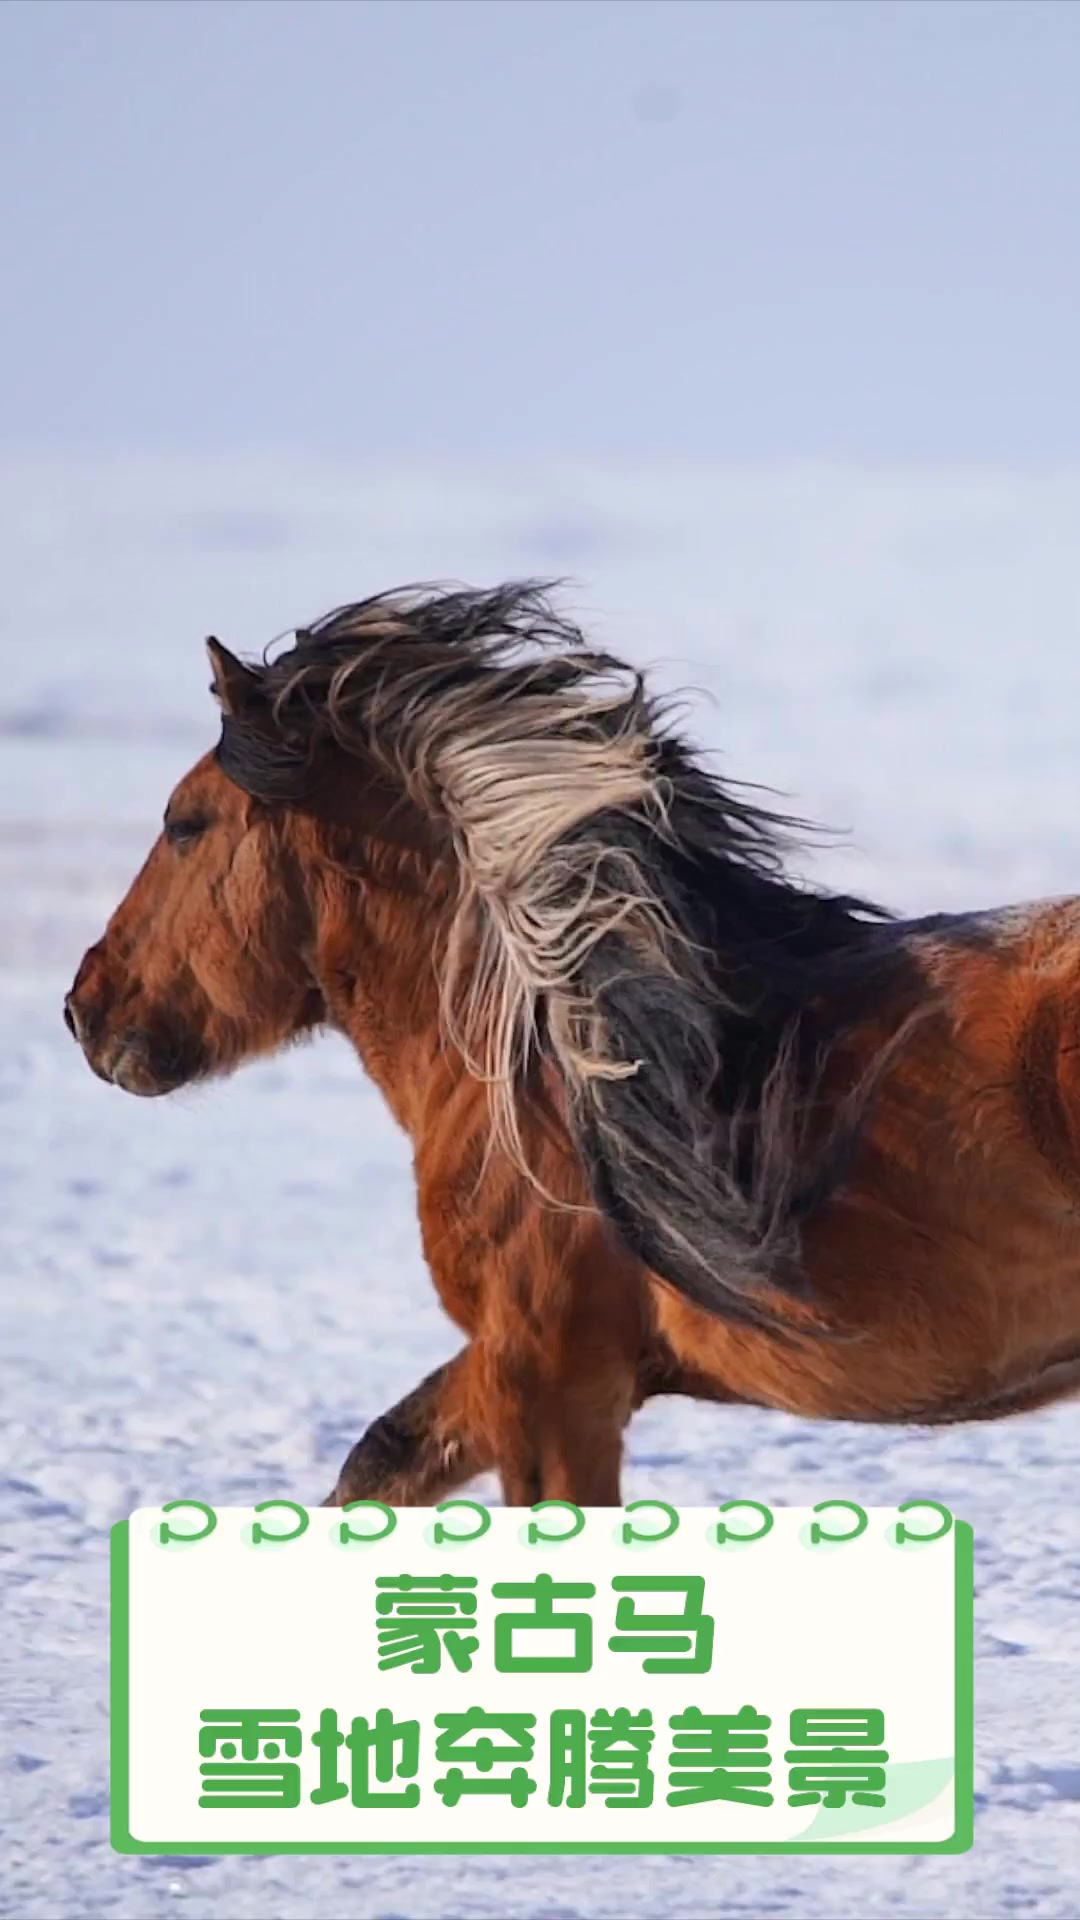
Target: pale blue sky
pixel 778 229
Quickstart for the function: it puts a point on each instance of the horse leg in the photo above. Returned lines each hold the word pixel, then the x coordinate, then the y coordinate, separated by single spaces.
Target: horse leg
pixel 560 1439
pixel 582 1447
pixel 432 1441
pixel 558 1442
pixel 561 1386
pixel 424 1447
pixel 550 1440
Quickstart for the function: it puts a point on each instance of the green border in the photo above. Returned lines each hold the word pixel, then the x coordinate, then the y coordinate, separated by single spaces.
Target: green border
pixel 123 1840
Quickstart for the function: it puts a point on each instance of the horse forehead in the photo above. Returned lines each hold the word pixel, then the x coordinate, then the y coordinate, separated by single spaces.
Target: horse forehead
pixel 205 782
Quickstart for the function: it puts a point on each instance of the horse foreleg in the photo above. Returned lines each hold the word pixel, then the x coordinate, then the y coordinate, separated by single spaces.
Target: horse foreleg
pixel 561 1382
pixel 548 1440
pixel 556 1441
pixel 550 1445
pixel 562 1439
pixel 424 1447
pixel 431 1442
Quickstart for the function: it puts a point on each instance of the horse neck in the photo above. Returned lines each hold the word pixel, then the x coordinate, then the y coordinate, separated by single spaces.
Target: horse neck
pixel 378 933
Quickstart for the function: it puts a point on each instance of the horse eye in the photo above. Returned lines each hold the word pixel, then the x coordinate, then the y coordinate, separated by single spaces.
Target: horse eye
pixel 179 832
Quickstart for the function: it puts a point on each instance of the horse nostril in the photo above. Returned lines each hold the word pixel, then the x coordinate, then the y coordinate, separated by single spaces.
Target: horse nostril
pixel 81 1025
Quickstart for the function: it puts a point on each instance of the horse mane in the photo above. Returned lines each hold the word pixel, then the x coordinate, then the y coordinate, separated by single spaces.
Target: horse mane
pixel 620 910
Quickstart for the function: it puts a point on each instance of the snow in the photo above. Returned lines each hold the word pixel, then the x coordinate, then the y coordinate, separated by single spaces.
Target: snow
pixel 213 1294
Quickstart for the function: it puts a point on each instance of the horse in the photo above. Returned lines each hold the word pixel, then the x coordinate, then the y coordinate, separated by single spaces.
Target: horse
pixel 681 1122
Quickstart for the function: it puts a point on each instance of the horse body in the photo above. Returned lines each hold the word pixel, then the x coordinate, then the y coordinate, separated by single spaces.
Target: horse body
pixel 948 1267
pixel 949 1261
pixel 678 1125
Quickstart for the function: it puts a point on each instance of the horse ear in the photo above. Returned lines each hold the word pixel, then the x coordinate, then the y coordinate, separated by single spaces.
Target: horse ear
pixel 235 686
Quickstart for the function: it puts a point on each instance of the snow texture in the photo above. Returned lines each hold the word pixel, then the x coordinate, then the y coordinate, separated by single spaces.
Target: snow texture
pixel 213 1294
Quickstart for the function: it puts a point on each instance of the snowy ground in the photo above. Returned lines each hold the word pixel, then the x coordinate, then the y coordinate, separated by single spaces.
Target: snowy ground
pixel 214 1294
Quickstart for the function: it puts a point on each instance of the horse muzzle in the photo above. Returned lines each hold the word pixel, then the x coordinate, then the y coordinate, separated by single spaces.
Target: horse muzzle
pixel 131 1059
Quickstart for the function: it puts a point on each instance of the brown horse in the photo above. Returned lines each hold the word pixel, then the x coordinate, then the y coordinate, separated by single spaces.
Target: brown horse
pixel 680 1125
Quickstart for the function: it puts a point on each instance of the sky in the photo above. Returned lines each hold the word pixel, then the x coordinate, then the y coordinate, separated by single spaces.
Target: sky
pixel 782 230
